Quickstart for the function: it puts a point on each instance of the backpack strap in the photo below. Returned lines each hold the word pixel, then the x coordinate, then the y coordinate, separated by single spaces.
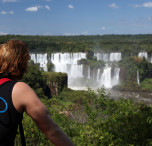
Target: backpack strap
pixel 22 133
pixel 3 80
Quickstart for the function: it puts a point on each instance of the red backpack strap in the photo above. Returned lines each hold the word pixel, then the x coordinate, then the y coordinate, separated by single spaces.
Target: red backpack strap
pixel 3 80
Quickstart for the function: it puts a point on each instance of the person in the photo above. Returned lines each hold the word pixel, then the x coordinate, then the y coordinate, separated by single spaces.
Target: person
pixel 17 97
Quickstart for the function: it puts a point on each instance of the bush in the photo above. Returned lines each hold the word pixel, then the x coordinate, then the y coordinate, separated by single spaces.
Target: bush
pixel 107 121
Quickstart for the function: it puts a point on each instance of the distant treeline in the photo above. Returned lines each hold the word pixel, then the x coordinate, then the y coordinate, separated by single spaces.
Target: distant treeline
pixel 123 43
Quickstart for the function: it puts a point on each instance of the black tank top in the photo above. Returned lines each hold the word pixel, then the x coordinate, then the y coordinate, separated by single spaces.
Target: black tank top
pixel 9 116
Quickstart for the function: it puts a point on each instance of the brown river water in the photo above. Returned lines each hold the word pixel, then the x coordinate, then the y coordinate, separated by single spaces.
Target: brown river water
pixel 145 97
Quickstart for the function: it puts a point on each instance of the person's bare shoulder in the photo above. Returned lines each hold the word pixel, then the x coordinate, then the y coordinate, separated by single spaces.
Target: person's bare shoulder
pixel 18 95
pixel 25 99
pixel 21 87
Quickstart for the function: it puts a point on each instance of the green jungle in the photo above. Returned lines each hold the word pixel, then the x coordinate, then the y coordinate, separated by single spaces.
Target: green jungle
pixel 91 118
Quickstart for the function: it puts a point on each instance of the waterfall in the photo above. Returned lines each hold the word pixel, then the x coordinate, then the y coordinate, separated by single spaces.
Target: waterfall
pixel 108 57
pixel 115 78
pixel 138 81
pixel 67 62
pixel 143 54
pixel 151 59
pixel 107 79
pixel 33 57
pixel 102 56
pixel 89 73
pixel 81 76
pixel 115 56
pixel 41 59
pixel 98 74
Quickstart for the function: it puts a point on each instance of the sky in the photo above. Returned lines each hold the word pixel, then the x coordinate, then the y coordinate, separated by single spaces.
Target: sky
pixel 75 17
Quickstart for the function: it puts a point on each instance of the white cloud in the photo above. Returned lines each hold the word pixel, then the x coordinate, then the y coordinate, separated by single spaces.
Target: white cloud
pixel 11 12
pixel 33 9
pixel 74 34
pixel 113 5
pixel 36 8
pixel 71 34
pixel 47 33
pixel 146 5
pixel 47 7
pixel 3 33
pixel 103 28
pixel 3 12
pixel 8 1
pixel 85 33
pixel 71 6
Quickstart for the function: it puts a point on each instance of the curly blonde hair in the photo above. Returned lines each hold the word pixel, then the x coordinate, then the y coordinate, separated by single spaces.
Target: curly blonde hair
pixel 14 56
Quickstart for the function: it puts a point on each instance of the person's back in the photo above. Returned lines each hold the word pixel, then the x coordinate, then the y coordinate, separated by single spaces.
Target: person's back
pixel 9 116
pixel 18 97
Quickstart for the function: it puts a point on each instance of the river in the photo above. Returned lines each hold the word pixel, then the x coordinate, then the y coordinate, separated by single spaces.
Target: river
pixel 145 97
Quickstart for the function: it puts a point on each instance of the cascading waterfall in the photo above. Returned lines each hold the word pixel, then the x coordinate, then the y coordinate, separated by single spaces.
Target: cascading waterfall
pixel 102 56
pixel 108 57
pixel 138 81
pixel 146 55
pixel 143 54
pixel 115 56
pixel 89 73
pixel 67 62
pixel 107 79
pixel 80 76
pixel 115 79
pixel 98 74
pixel 41 59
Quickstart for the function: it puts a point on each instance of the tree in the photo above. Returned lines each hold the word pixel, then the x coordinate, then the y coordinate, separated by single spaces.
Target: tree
pixel 33 77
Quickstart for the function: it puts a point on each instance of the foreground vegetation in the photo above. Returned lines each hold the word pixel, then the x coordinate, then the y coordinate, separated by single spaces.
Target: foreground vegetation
pixel 91 118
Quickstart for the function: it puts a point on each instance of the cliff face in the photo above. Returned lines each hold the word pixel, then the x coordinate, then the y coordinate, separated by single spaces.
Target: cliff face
pixel 56 82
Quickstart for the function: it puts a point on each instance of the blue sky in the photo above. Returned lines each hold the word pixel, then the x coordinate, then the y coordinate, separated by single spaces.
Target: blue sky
pixel 75 17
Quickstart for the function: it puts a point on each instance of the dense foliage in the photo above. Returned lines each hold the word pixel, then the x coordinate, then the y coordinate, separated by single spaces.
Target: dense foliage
pixel 45 84
pixel 123 43
pixel 129 68
pixel 33 77
pixel 117 122
pixel 95 120
pixel 92 63
pixel 145 69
